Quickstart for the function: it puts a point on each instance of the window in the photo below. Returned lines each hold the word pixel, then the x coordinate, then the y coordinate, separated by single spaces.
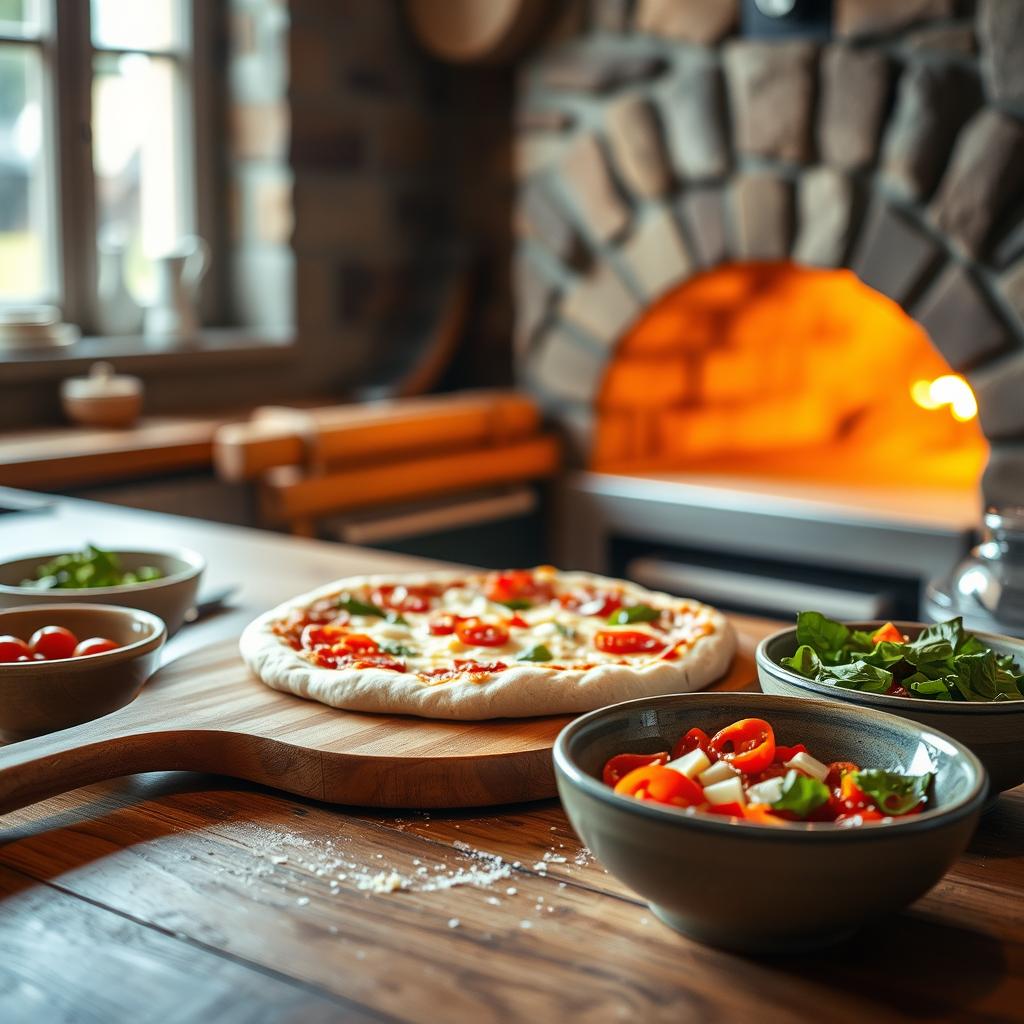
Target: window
pixel 98 147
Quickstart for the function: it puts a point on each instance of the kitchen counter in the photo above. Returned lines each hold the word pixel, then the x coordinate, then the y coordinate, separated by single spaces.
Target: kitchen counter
pixel 180 897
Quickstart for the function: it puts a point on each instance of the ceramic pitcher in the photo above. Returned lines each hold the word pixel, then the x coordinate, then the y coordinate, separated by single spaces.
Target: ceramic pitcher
pixel 174 312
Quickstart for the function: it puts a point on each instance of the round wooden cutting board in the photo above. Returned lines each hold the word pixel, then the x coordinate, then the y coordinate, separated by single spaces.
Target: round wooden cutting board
pixel 206 713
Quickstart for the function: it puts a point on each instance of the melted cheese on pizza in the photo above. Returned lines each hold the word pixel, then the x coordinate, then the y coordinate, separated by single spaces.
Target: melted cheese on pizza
pixel 477 625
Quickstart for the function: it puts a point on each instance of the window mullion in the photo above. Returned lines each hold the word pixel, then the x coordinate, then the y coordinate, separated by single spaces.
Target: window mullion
pixel 71 61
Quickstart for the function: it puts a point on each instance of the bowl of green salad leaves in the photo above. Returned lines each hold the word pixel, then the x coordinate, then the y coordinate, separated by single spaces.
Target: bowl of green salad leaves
pixel 969 685
pixel 161 582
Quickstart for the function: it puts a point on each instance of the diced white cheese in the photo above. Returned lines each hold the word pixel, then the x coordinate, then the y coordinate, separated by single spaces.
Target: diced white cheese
pixel 728 792
pixel 809 766
pixel 766 792
pixel 718 772
pixel 545 629
pixel 392 631
pixel 691 764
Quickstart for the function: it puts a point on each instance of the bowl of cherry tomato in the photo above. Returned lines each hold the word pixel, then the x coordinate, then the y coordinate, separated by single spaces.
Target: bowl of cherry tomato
pixel 64 664
pixel 763 823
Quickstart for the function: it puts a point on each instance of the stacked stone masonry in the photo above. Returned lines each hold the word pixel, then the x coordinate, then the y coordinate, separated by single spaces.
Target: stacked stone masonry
pixel 897 150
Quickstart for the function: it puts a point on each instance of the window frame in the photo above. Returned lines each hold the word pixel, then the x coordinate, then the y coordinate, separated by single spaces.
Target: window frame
pixel 65 44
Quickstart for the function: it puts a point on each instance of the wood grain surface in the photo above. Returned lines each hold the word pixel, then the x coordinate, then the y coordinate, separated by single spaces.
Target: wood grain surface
pixel 205 712
pixel 181 897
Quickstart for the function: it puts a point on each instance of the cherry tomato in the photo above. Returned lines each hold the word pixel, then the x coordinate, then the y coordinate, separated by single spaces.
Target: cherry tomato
pixel 888 632
pixel 53 642
pixel 623 764
pixel 517 585
pixel 748 745
pixel 94 645
pixel 784 754
pixel 444 625
pixel 836 771
pixel 627 641
pixel 475 632
pixel 405 598
pixel 662 785
pixel 691 741
pixel 12 648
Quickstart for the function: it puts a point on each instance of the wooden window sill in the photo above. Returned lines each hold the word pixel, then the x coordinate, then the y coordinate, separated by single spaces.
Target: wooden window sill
pixel 214 347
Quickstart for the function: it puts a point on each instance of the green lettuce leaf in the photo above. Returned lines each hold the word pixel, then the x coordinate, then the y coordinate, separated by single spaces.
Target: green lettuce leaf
pixel 801 795
pixel 825 635
pixel 857 676
pixel 804 661
pixel 894 793
pixel 933 689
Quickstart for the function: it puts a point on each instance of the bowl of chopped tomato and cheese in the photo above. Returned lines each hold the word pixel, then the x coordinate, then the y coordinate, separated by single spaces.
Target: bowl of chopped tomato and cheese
pixel 765 823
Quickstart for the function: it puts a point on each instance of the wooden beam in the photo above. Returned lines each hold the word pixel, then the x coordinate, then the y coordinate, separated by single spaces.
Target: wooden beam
pixel 289 494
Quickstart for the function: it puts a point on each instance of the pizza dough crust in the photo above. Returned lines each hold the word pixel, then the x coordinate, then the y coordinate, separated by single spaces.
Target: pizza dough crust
pixel 520 691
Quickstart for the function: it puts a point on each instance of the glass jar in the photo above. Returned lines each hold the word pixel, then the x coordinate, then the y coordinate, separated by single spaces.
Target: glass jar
pixel 987 587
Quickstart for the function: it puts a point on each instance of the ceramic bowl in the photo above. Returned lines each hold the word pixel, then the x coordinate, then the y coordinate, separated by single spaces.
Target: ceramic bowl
pixel 37 697
pixel 995 732
pixel 760 888
pixel 170 597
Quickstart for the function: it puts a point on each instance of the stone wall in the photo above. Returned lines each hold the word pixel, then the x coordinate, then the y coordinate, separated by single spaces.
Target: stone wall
pixel 658 141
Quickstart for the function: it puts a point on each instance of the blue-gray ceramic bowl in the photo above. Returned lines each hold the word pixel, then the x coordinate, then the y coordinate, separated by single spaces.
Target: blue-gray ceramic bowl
pixel 760 888
pixel 995 732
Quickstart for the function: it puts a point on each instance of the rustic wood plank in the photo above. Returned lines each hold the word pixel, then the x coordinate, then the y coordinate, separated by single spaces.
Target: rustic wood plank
pixel 62 959
pixel 203 861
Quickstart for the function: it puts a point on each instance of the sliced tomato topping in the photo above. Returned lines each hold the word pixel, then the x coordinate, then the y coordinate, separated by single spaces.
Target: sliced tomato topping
pixel 327 658
pixel 748 745
pixel 622 764
pixel 515 586
pixel 662 785
pixel 691 741
pixel 627 641
pixel 444 624
pixel 356 644
pixel 316 635
pixel 784 754
pixel 519 622
pixel 475 632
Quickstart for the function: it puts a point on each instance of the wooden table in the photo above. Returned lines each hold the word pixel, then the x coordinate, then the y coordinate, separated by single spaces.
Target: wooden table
pixel 176 897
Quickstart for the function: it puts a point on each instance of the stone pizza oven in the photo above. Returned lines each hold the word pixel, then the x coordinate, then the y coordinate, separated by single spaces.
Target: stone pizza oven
pixel 663 140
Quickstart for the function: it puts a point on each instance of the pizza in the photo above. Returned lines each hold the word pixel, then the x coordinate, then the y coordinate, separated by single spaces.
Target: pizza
pixel 476 645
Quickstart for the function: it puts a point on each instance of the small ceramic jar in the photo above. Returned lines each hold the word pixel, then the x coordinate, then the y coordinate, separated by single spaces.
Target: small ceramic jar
pixel 103 398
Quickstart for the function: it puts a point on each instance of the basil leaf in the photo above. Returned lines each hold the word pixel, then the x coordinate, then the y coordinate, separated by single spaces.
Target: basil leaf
pixel 516 604
pixel 825 635
pixel 536 653
pixel 633 613
pixel 894 793
pixel 801 794
pixel 857 676
pixel 567 631
pixel 804 661
pixel 356 607
pixel 399 650
pixel 397 618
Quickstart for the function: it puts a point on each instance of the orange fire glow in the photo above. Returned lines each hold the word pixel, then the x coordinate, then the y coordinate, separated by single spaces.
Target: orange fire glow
pixel 773 368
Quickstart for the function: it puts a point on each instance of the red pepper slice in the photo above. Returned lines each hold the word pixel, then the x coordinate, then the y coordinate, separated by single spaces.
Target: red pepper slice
pixel 748 745
pixel 888 632
pixel 733 810
pixel 622 764
pixel 627 641
pixel 691 741
pixel 661 785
